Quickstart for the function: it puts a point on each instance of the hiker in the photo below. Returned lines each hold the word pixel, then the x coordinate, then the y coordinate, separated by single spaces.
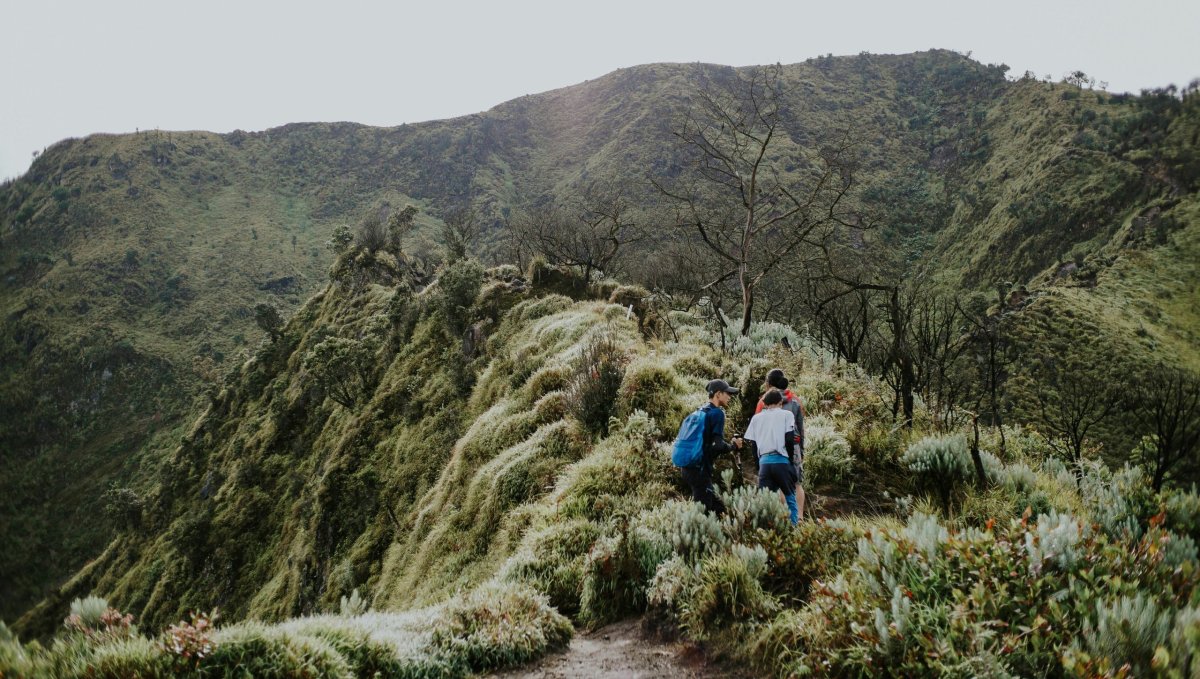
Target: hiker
pixel 792 404
pixel 773 431
pixel 701 439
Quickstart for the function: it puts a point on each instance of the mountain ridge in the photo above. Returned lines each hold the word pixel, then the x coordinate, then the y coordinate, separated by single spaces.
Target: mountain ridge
pixel 131 264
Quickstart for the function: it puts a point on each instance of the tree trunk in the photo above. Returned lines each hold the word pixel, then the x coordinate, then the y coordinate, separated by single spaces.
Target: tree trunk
pixel 747 300
pixel 980 474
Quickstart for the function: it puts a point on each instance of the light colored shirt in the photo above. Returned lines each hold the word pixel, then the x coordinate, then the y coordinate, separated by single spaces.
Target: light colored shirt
pixel 768 430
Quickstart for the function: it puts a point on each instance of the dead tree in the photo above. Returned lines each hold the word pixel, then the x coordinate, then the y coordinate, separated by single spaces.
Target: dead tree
pixel 589 231
pixel 737 196
pixel 1166 403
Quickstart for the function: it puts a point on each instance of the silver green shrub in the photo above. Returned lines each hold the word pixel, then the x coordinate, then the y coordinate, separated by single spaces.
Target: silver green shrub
pixel 1019 478
pixel 1054 539
pixel 748 508
pixel 1128 630
pixel 353 605
pixel 827 457
pixel 1180 549
pixel 90 610
pixel 939 459
pixel 681 526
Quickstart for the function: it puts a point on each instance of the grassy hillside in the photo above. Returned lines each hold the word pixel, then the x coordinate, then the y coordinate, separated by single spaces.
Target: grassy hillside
pixel 130 265
pixel 475 494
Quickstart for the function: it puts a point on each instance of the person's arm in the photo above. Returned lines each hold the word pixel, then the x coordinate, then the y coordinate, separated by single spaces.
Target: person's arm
pixel 789 443
pixel 714 430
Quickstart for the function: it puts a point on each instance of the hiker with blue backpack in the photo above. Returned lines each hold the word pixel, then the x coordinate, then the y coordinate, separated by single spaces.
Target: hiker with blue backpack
pixel 773 431
pixel 701 440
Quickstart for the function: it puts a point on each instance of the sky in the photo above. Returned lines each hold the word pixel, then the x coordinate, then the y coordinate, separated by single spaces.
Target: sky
pixel 75 67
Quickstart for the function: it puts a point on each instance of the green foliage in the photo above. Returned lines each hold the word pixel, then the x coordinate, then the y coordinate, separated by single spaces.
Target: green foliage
pixel 1127 634
pixel 89 611
pixel 943 464
pixel 340 240
pixel 261 651
pixel 827 456
pixel 727 590
pixel 595 383
pixel 268 319
pixel 651 387
pixel 552 560
pixel 815 550
pixel 458 286
pixel 500 626
pixel 341 367
pixel 352 605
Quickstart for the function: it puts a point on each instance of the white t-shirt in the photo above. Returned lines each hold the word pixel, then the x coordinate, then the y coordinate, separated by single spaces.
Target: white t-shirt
pixel 767 430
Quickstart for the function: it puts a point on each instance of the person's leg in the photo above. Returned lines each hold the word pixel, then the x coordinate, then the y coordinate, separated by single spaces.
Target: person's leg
pixel 799 477
pixel 702 489
pixel 793 512
pixel 778 477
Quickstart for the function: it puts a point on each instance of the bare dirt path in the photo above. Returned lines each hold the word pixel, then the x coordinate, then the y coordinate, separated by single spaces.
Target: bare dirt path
pixel 623 650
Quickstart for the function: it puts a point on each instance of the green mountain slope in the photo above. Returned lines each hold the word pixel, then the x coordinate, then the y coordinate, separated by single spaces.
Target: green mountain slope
pixel 130 265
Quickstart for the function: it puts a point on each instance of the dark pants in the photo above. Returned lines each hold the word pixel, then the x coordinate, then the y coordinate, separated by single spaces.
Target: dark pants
pixel 700 481
pixel 780 477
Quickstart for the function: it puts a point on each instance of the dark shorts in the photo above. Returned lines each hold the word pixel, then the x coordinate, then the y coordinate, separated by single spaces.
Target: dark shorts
pixel 779 476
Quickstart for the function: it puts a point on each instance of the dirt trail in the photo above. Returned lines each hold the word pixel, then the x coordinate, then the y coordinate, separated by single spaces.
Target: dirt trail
pixel 623 650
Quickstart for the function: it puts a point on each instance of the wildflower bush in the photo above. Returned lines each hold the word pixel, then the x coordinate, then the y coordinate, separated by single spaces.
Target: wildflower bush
pixel 192 640
pixel 594 383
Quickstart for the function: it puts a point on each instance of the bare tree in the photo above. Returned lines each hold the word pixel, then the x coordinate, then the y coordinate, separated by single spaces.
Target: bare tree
pixel 841 319
pixel 735 193
pixel 1166 403
pixel 461 227
pixel 1071 401
pixel 991 348
pixel 589 231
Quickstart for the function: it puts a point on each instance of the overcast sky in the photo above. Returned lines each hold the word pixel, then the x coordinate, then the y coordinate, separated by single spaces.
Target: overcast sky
pixel 74 67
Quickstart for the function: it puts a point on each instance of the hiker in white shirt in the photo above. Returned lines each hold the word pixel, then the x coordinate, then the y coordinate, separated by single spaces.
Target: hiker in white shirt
pixel 774 434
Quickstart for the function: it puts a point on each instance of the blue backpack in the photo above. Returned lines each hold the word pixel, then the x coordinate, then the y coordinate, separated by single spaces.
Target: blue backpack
pixel 689 444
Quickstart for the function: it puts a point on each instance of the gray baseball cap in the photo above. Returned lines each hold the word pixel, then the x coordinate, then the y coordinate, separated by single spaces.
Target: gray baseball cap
pixel 721 385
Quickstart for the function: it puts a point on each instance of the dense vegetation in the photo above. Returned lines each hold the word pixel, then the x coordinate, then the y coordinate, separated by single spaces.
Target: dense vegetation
pixel 464 479
pixel 407 434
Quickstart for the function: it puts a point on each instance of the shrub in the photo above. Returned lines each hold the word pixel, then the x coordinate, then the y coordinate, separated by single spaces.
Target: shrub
pixel 458 286
pixel 366 657
pixel 827 457
pixel 498 626
pixel 88 612
pixel 796 558
pixel 650 386
pixel 191 640
pixel 684 527
pixel 371 234
pixel 614 584
pixel 552 561
pixel 254 649
pixel 1183 512
pixel 1055 538
pixel 353 605
pixel 726 591
pixel 749 509
pixel 595 381
pixel 943 463
pixel 120 659
pixel 1128 631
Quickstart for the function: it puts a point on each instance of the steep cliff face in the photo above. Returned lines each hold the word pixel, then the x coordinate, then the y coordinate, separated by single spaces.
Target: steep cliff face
pixel 281 499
